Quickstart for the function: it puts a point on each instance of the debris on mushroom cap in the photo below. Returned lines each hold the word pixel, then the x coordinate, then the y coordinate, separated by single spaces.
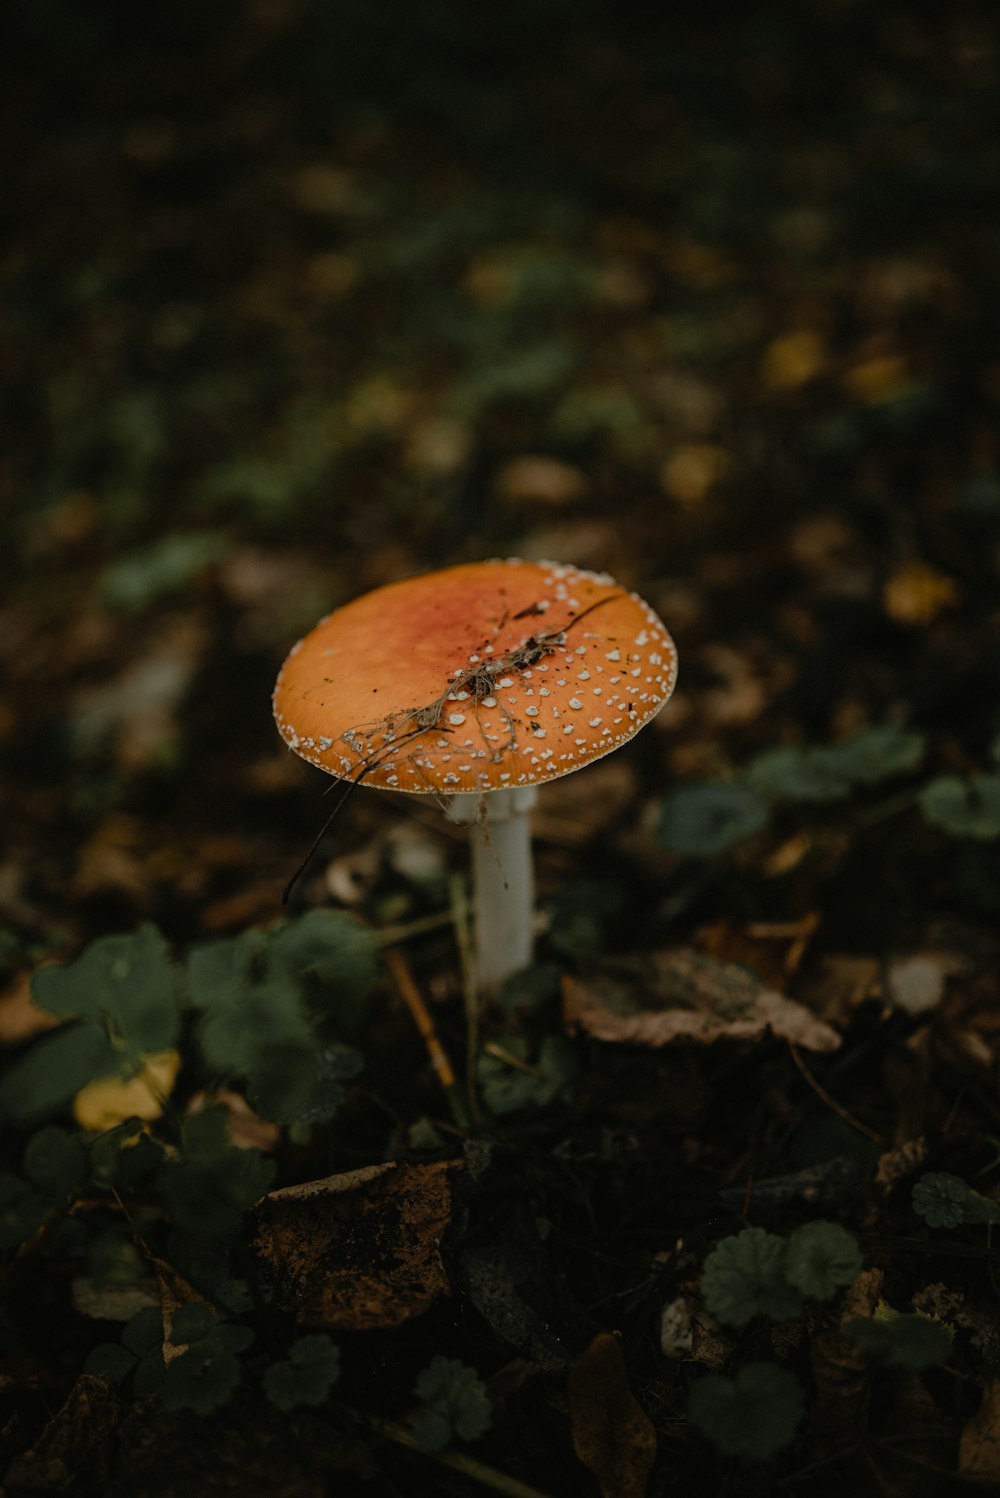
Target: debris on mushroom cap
pixel 475 678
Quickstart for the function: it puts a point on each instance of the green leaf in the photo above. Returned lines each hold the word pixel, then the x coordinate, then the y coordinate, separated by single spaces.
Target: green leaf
pixel 235 1296
pixel 337 952
pixel 946 1201
pixel 55 1160
pixel 164 567
pixel 111 1360
pixel 22 1212
pixel 431 1430
pixel 149 1374
pixel 792 774
pixel 456 1404
pixel 878 753
pixel 822 1258
pixel 191 1323
pixel 965 808
pixel 230 1337
pixel 124 1156
pixel 128 981
pixel 144 1332
pixel 208 1190
pixel 754 1415
pixel 306 1377
pixel 55 1069
pixel 705 820
pixel 906 1343
pixel 219 972
pixel 236 1039
pixel 301 1085
pixel 744 1277
pixel 200 1380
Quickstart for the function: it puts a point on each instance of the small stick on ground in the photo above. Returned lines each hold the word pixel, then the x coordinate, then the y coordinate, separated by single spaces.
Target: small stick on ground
pixel 821 1092
pixel 408 991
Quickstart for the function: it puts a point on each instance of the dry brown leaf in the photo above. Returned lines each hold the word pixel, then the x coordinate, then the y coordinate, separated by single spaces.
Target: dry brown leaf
pixel 358 1250
pixel 979 1446
pixel 841 1372
pixel 20 1019
pixel 898 1163
pixel 79 1438
pixel 612 1434
pixel 245 1128
pixel 771 949
pixel 536 479
pixel 840 984
pixel 175 1292
pixel 691 997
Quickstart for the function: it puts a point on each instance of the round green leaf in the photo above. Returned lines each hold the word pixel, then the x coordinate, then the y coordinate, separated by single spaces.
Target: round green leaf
pixel 965 808
pixel 454 1396
pixel 822 1258
pixel 55 1160
pixel 128 980
pixel 306 1377
pixel 56 1068
pixel 200 1380
pixel 336 952
pixel 191 1323
pixel 22 1212
pixel 906 1343
pixel 744 1277
pixel 110 1360
pixel 792 774
pixel 705 820
pixel 878 753
pixel 144 1332
pixel 754 1415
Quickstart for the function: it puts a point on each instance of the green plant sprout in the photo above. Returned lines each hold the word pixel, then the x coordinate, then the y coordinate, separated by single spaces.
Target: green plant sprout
pixel 756 1273
pixel 454 1405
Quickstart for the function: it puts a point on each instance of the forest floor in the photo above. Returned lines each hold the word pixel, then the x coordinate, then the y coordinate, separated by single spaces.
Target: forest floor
pixel 301 299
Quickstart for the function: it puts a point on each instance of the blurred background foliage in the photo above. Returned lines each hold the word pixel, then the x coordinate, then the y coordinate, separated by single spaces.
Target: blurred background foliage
pixel 301 297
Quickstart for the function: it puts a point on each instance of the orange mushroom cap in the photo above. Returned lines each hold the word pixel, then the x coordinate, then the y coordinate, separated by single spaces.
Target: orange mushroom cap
pixel 475 678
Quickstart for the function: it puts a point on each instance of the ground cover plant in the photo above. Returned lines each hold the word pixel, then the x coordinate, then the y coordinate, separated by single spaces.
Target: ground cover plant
pixel 303 298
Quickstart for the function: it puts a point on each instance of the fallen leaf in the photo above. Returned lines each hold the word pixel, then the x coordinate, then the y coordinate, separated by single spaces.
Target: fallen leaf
pixel 793 359
pixel 539 480
pixel 690 997
pixel 246 1129
pixel 175 1293
pixel 840 983
pixel 877 379
pixel 841 1371
pixel 104 1105
pixel 916 594
pixel 771 949
pixel 358 1250
pixel 692 470
pixel 80 1438
pixel 612 1434
pixel 113 1302
pixel 20 1019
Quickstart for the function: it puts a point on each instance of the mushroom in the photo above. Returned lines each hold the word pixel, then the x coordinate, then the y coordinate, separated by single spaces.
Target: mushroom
pixel 478 683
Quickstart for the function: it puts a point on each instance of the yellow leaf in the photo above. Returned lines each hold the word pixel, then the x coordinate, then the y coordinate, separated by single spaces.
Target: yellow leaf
pixel 879 379
pixel 916 593
pixel 103 1105
pixel 793 359
pixel 691 470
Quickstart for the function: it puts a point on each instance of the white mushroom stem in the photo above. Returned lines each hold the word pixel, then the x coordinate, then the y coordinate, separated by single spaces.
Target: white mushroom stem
pixel 502 879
